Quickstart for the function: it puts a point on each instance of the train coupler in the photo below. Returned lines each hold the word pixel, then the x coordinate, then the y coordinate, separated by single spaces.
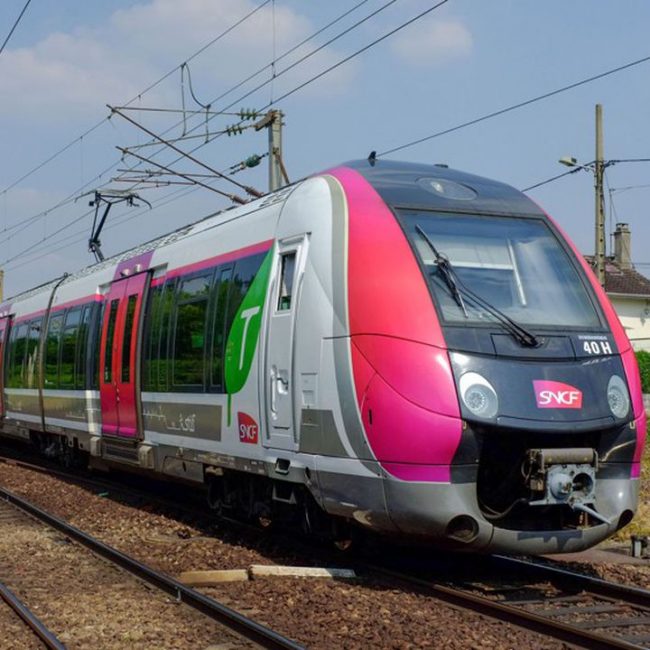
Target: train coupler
pixel 563 476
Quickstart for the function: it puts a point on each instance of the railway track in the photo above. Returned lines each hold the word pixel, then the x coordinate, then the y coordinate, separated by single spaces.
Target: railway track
pixel 544 598
pixel 40 631
pixel 571 607
pixel 252 633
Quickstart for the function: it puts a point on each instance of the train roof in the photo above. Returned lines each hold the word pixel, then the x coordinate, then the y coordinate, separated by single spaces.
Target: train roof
pixel 418 185
pixel 400 184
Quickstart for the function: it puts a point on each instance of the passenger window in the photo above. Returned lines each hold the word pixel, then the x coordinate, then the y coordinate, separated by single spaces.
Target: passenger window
pixel 52 351
pixel 69 348
pixel 287 272
pixel 189 334
pixel 96 319
pixel 33 337
pixel 151 341
pixel 224 280
pixel 163 355
pixel 17 348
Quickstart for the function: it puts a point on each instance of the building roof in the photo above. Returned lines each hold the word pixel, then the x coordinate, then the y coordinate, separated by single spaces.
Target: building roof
pixel 623 281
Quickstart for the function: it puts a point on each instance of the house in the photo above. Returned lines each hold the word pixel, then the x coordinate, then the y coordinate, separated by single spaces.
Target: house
pixel 628 290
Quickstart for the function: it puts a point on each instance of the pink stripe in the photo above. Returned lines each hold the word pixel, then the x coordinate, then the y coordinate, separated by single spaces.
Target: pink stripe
pixel 387 293
pixel 232 256
pixel 403 379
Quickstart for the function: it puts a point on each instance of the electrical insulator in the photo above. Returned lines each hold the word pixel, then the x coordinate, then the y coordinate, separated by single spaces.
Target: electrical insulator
pixel 253 161
pixel 234 129
pixel 248 114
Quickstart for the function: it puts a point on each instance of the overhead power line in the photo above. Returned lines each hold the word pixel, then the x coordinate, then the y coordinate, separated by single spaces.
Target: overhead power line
pixel 321 74
pixel 514 107
pixel 608 163
pixel 13 29
pixel 151 86
pixel 277 74
pixel 58 153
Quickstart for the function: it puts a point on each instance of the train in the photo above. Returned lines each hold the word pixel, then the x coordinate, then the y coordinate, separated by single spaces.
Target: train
pixel 391 347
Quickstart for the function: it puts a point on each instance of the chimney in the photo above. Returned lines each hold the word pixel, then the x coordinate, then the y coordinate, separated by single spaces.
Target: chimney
pixel 623 246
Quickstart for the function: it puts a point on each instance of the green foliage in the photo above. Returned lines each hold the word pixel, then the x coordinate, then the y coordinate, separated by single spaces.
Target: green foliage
pixel 643 359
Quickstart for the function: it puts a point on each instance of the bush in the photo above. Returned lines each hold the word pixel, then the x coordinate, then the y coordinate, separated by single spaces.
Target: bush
pixel 643 359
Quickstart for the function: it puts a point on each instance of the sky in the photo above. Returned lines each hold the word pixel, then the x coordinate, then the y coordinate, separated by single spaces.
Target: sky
pixel 67 60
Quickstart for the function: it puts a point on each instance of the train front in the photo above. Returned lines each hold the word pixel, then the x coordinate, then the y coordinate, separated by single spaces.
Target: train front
pixel 497 388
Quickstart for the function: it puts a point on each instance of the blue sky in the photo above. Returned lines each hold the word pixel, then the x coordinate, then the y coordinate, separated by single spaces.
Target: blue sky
pixel 68 59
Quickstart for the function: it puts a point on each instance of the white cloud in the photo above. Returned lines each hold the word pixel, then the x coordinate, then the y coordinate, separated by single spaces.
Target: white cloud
pixel 76 74
pixel 433 42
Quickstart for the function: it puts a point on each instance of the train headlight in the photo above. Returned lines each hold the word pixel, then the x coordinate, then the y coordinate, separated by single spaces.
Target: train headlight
pixel 617 397
pixel 478 395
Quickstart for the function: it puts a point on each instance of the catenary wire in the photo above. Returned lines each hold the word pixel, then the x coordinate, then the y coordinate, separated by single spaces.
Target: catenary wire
pixel 136 97
pixel 330 68
pixel 521 104
pixel 29 220
pixel 276 74
pixel 13 29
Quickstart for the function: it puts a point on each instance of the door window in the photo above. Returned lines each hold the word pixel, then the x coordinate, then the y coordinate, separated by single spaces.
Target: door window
pixel 110 334
pixel 287 273
pixel 126 343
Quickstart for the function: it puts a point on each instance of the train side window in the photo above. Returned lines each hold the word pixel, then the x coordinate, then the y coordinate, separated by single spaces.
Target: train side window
pixel 287 273
pixel 189 333
pixel 82 349
pixel 52 351
pixel 68 344
pixel 224 277
pixel 33 339
pixel 110 333
pixel 17 347
pixel 151 339
pixel 94 342
pixel 162 352
pixel 128 335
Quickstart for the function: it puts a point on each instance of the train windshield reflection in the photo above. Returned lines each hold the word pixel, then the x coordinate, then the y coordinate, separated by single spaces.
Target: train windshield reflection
pixel 516 265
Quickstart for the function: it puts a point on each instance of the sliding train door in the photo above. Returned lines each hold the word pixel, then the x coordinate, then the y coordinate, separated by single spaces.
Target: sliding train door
pixel 119 354
pixel 280 333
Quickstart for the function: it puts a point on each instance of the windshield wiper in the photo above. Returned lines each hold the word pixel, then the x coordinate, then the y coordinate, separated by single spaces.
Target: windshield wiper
pixel 456 286
pixel 446 271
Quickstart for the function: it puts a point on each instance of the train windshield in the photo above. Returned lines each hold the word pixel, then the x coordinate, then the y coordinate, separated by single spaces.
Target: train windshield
pixel 514 265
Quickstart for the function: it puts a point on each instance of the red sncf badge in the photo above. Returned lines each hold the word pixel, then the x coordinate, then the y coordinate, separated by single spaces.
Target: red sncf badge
pixel 556 395
pixel 248 429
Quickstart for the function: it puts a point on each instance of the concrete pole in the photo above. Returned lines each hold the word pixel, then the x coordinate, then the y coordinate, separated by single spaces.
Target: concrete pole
pixel 599 169
pixel 275 151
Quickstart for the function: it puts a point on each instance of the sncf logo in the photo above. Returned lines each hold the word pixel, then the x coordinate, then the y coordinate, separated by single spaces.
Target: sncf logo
pixel 248 429
pixel 556 395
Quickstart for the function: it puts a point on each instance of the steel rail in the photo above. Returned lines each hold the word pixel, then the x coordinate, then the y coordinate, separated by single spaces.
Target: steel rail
pixel 514 615
pixel 245 627
pixel 630 595
pixel 37 626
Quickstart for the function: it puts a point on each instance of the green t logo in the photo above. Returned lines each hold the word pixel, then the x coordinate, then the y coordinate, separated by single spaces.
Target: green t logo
pixel 245 330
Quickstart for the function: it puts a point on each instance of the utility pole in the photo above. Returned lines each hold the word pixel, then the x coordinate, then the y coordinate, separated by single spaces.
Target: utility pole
pixel 277 172
pixel 599 169
pixel 2 285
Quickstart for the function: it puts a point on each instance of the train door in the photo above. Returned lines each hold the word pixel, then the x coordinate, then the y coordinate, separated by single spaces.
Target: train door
pixel 119 353
pixel 280 343
pixel 4 334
